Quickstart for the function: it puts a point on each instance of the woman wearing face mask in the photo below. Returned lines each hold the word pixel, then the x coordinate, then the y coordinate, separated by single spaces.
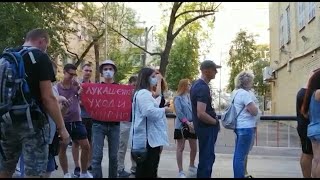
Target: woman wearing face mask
pixel 149 124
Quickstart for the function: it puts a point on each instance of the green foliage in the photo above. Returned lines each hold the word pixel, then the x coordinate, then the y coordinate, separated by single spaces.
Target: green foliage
pixel 180 16
pixel 18 18
pixel 260 87
pixel 121 18
pixel 125 68
pixel 243 53
pixel 183 61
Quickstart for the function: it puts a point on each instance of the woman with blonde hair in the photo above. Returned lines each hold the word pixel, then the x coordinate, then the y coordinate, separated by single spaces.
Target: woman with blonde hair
pixel 246 121
pixel 184 129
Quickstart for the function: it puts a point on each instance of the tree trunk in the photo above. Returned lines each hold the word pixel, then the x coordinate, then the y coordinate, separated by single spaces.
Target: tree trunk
pixel 165 57
pixel 96 57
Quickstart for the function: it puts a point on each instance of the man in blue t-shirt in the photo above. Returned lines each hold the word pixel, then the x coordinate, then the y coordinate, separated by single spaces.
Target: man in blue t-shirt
pixel 205 119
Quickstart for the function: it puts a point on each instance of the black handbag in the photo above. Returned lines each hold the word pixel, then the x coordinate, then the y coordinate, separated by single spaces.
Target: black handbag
pixel 138 155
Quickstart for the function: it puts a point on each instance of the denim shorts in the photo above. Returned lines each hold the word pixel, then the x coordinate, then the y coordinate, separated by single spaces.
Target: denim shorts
pixel 315 138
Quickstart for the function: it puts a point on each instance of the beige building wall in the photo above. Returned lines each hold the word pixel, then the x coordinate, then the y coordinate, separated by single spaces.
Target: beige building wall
pixel 293 61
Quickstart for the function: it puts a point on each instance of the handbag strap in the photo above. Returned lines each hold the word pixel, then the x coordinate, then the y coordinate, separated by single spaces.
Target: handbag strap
pixel 133 119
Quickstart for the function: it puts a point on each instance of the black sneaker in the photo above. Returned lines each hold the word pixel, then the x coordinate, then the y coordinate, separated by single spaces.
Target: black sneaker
pixel 76 172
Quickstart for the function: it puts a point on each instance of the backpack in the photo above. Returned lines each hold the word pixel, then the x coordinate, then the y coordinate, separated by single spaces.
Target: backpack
pixel 229 116
pixel 15 98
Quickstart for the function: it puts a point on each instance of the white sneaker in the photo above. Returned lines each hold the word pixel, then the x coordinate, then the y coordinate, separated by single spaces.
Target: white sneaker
pixel 193 171
pixel 86 175
pixel 67 175
pixel 182 175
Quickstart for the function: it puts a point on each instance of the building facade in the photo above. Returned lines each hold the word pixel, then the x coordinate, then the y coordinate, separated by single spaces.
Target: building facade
pixel 294 51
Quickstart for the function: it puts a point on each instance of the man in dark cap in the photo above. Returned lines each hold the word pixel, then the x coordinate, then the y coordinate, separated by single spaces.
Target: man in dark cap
pixel 205 119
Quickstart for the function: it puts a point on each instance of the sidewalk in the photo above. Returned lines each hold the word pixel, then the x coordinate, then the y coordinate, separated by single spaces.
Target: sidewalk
pixel 258 166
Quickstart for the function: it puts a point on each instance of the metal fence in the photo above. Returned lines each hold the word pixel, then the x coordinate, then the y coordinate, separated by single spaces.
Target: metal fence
pixel 272 131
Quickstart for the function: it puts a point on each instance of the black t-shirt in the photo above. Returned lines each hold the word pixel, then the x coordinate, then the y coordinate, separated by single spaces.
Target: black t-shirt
pixel 42 70
pixel 200 92
pixel 300 118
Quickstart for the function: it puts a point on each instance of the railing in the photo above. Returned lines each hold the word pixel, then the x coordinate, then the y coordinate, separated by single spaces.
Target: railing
pixel 272 131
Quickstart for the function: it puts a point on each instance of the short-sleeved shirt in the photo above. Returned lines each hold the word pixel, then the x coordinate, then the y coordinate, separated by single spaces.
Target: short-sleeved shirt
pixel 73 113
pixel 200 92
pixel 42 70
pixel 241 100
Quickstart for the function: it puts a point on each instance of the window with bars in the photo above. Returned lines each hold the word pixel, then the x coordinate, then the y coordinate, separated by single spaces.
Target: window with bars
pixel 288 25
pixel 301 15
pixel 311 6
pixel 281 31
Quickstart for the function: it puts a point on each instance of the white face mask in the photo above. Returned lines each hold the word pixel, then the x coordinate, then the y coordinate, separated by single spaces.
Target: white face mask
pixel 153 81
pixel 108 74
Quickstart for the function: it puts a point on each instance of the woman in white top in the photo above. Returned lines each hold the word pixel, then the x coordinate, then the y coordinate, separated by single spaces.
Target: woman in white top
pixel 245 123
pixel 149 124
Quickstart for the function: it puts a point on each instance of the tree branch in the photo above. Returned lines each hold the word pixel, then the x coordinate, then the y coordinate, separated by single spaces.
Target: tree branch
pixel 93 26
pixel 75 54
pixel 95 39
pixel 194 11
pixel 190 21
pixel 120 34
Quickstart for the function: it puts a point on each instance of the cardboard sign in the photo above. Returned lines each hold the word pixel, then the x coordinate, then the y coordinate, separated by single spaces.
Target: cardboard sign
pixel 107 102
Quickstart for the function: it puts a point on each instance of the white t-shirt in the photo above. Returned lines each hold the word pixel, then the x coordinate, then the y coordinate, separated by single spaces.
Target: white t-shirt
pixel 257 103
pixel 241 100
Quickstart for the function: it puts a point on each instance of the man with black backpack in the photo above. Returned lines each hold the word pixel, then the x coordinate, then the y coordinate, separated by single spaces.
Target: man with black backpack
pixel 26 83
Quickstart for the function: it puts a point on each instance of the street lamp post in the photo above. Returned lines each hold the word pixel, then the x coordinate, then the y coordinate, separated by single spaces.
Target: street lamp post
pixel 106 30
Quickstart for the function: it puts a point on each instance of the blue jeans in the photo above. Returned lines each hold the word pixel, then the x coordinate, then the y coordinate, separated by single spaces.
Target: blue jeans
pixel 244 140
pixel 207 137
pixel 99 131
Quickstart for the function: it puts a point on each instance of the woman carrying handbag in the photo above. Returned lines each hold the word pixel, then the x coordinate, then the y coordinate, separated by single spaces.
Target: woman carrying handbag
pixel 149 126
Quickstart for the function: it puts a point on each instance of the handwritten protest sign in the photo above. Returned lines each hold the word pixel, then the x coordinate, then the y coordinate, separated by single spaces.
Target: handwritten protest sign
pixel 107 102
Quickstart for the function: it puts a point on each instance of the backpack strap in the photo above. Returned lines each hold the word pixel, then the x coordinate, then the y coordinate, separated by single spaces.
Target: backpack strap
pixel 240 110
pixel 28 50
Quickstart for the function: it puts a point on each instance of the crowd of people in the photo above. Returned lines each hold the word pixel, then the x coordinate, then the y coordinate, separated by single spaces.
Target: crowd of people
pixel 63 121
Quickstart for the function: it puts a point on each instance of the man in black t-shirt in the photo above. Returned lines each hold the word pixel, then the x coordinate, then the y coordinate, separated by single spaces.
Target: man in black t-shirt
pixel 205 120
pixel 19 138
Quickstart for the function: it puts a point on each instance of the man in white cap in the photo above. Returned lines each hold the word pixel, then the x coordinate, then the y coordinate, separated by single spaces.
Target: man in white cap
pixel 100 129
